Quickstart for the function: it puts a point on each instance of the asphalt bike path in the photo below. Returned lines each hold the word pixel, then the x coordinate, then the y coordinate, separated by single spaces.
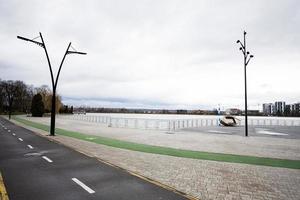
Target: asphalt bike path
pixel 36 168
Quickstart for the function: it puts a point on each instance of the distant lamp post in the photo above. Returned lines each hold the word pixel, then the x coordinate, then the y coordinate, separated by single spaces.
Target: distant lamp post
pixel 247 58
pixel 54 82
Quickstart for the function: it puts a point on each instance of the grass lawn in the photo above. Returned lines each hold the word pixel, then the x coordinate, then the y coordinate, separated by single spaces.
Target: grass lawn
pixel 274 162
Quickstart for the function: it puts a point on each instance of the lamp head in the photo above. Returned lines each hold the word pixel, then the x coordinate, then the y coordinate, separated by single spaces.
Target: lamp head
pixel 33 41
pixel 245 32
pixel 251 56
pixel 241 48
pixel 76 52
pixel 238 41
pixel 248 52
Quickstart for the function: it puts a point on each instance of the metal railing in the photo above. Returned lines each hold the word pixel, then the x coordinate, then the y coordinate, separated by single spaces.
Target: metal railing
pixel 176 124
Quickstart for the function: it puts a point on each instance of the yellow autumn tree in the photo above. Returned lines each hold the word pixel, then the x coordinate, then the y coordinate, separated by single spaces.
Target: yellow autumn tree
pixel 46 94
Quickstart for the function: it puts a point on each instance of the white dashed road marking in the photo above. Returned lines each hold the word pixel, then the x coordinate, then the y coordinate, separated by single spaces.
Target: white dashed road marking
pixel 30 147
pixel 20 139
pixel 14 134
pixel 46 158
pixel 81 184
pixel 8 131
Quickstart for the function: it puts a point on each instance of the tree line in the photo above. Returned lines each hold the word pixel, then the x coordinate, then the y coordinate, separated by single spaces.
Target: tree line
pixel 16 97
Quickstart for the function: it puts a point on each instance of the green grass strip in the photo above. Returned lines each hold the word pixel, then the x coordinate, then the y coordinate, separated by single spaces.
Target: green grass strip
pixel 274 162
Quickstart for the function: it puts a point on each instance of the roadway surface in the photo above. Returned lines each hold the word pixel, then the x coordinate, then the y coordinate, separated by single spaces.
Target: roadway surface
pixel 35 168
pixel 288 132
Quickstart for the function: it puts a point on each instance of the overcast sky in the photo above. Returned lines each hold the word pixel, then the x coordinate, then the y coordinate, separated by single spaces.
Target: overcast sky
pixel 156 54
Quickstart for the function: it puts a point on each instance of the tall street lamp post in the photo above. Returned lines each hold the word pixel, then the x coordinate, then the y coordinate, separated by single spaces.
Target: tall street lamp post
pixel 54 82
pixel 247 57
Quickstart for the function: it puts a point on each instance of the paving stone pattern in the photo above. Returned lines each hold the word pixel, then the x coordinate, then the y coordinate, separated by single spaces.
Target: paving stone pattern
pixel 219 143
pixel 199 178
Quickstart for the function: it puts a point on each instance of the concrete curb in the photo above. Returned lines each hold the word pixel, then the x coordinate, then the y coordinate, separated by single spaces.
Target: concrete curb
pixel 3 193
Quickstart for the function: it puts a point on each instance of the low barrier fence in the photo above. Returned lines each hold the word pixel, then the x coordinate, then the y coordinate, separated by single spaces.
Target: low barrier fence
pixel 175 124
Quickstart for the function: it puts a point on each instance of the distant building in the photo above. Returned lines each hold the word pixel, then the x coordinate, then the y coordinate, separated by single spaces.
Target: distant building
pixel 233 111
pixel 252 112
pixel 273 109
pixel 279 108
pixel 295 109
pixel 268 109
pixel 287 110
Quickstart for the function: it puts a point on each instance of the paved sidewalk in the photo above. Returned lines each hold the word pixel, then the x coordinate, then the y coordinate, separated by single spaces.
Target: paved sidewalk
pixel 199 178
pixel 191 140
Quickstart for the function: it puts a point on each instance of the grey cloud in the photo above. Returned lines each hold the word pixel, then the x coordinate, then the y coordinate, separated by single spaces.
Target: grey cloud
pixel 176 53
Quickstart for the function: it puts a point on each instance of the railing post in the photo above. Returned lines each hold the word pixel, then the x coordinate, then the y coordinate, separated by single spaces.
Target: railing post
pixel 174 125
pixel 109 124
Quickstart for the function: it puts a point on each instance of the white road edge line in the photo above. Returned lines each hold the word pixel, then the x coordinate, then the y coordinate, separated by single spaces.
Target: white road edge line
pixel 20 139
pixel 29 146
pixel 81 184
pixel 46 158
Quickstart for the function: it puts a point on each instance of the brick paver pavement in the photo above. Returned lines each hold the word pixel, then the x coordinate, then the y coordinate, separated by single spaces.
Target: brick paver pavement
pixel 200 178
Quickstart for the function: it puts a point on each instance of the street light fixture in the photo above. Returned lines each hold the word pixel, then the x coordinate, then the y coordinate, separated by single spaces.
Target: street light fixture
pixel 54 82
pixel 247 58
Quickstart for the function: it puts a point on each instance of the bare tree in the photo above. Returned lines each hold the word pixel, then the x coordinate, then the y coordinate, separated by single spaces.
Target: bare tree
pixel 2 97
pixel 10 92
